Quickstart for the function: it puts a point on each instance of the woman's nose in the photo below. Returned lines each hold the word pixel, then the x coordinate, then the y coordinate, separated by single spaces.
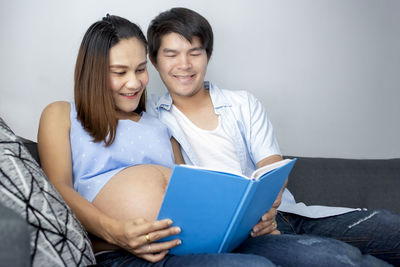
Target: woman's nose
pixel 133 82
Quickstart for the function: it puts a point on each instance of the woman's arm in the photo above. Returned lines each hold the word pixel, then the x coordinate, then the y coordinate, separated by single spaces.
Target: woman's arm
pixel 55 156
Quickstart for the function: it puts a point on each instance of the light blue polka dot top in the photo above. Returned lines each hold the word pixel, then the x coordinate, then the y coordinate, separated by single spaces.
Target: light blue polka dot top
pixel 144 142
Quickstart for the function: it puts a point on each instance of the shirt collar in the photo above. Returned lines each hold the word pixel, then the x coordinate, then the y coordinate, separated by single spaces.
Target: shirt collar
pixel 216 94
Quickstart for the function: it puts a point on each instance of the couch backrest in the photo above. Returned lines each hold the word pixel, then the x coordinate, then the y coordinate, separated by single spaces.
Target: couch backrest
pixel 371 184
pixel 352 183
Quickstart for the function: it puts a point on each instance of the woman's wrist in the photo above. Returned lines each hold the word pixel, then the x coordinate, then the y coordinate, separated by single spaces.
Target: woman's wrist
pixel 109 227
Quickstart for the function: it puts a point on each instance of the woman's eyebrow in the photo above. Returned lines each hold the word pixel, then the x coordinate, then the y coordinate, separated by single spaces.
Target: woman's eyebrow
pixel 124 66
pixel 118 66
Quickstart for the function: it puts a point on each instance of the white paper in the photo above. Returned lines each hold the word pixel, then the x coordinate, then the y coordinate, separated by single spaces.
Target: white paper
pixel 313 211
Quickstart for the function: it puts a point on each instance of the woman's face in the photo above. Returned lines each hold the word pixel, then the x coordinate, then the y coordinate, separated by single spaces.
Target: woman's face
pixel 128 75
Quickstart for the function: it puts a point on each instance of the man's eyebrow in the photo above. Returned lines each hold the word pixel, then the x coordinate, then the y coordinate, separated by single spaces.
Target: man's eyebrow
pixel 169 50
pixel 198 48
pixel 143 63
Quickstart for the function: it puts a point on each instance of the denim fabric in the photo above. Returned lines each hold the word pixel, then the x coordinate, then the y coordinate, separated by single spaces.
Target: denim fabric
pixel 375 232
pixel 123 258
pixel 307 250
pixel 366 236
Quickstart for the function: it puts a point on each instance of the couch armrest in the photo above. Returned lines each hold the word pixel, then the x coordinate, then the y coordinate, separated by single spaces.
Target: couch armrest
pixel 15 239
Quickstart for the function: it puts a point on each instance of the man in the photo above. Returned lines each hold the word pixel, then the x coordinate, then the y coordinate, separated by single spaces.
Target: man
pixel 231 130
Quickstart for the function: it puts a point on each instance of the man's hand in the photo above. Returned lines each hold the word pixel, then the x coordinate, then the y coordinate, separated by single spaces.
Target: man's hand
pixel 268 225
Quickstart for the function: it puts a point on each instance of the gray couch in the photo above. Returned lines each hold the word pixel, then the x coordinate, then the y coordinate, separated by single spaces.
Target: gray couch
pixel 372 184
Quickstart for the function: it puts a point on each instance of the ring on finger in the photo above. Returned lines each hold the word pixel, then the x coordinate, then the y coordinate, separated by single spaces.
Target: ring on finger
pixel 147 236
pixel 274 224
pixel 149 248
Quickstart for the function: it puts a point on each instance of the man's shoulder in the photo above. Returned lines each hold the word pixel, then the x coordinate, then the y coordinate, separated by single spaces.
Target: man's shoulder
pixel 152 104
pixel 234 95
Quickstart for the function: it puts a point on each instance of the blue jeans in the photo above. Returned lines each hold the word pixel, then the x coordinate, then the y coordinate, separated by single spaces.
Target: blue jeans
pixel 124 258
pixel 357 238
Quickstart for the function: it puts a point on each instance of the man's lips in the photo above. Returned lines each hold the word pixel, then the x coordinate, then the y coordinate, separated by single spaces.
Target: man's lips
pixel 185 77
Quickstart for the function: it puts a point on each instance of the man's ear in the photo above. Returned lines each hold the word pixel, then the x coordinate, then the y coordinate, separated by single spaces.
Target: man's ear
pixel 153 62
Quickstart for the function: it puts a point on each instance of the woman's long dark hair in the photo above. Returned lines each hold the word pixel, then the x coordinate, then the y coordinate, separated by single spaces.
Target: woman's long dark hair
pixel 93 97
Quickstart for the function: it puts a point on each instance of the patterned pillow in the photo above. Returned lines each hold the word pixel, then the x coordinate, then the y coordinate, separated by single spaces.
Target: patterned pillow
pixel 57 237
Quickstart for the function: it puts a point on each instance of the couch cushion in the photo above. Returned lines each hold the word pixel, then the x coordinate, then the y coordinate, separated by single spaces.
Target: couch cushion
pixel 57 237
pixel 355 183
pixel 14 229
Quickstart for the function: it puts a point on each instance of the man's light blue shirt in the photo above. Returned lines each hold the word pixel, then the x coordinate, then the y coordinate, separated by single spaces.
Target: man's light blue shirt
pixel 245 119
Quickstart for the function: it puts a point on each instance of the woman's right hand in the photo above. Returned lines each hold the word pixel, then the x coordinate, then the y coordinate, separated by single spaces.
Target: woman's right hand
pixel 138 236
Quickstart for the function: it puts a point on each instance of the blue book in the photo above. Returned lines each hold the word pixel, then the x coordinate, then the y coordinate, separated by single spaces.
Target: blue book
pixel 217 210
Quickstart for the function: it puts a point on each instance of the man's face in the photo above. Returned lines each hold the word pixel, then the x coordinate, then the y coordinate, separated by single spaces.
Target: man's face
pixel 182 65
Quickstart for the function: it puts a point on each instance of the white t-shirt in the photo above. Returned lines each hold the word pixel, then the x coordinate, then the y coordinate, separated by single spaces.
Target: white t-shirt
pixel 213 148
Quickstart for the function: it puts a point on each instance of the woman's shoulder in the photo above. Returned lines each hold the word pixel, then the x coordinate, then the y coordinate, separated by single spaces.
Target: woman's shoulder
pixel 148 116
pixel 57 111
pixel 58 107
pixel 151 119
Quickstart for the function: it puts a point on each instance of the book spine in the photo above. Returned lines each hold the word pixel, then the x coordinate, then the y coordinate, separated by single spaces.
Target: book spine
pixel 236 215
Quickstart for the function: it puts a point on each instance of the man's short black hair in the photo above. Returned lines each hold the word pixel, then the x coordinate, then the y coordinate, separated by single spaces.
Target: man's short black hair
pixel 183 21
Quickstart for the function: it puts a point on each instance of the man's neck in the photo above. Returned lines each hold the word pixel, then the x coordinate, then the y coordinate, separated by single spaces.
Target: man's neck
pixel 189 103
pixel 198 109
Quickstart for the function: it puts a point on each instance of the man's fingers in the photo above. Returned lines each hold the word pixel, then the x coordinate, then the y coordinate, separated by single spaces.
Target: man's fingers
pixel 270 215
pixel 264 227
pixel 275 232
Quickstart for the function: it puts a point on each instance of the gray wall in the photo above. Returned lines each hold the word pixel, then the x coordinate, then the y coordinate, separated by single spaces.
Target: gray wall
pixel 328 72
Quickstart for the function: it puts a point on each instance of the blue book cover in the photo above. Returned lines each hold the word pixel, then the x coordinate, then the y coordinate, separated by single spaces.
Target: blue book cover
pixel 216 210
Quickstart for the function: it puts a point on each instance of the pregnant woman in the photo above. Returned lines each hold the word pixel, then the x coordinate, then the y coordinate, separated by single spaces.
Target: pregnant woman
pixel 110 160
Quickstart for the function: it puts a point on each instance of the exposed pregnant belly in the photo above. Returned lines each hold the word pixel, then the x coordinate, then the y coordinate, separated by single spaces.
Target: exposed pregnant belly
pixel 135 192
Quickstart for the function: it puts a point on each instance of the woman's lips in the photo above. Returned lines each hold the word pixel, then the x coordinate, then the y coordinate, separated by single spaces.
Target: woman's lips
pixel 130 95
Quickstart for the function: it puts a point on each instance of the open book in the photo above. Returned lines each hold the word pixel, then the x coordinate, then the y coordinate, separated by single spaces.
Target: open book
pixel 216 210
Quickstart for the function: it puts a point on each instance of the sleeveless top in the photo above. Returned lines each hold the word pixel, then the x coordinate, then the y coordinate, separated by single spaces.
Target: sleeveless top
pixel 93 164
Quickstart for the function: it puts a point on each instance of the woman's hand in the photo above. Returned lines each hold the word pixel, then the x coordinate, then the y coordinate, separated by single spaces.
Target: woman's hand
pixel 139 236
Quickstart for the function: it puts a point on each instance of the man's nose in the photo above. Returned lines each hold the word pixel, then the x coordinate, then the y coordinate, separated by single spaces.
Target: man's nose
pixel 184 62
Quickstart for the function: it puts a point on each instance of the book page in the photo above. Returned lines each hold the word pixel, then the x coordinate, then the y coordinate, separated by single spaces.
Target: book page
pixel 259 172
pixel 214 170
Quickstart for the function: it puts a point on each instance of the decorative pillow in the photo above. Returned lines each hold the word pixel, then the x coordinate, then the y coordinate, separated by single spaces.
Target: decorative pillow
pixel 57 237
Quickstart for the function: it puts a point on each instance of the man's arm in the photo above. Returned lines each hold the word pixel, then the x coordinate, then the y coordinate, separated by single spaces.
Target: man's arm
pixel 267 225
